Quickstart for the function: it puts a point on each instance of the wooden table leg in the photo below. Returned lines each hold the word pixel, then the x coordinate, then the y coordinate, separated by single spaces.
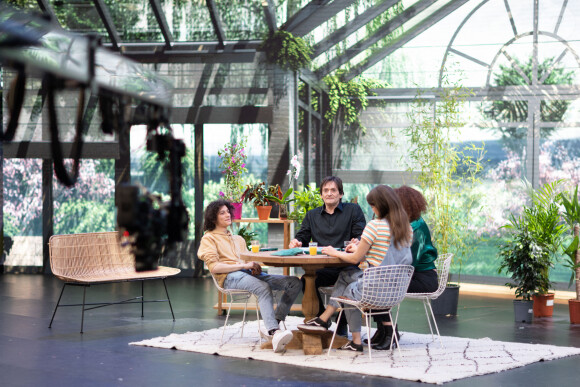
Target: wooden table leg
pixel 310 300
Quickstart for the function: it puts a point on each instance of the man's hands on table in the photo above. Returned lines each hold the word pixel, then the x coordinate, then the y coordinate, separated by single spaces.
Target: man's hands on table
pixel 294 243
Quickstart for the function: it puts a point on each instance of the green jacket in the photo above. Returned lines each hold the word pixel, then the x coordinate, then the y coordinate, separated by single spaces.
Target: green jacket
pixel 422 249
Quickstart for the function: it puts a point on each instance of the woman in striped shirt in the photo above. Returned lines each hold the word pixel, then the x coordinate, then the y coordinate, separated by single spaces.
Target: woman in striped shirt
pixel 389 229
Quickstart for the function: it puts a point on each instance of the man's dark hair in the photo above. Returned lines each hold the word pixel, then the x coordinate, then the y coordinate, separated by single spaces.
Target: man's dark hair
pixel 211 213
pixel 336 180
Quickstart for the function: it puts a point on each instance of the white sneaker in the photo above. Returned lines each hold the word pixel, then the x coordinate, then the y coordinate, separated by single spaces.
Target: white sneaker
pixel 280 339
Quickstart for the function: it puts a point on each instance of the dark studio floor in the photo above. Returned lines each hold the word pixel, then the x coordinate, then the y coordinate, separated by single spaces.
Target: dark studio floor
pixel 31 354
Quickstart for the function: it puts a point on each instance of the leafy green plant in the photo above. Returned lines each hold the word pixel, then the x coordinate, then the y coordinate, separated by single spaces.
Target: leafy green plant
pixel 572 216
pixel 348 99
pixel 247 234
pixel 286 50
pixel 536 237
pixel 257 193
pixel 447 174
pixel 279 197
pixel 305 201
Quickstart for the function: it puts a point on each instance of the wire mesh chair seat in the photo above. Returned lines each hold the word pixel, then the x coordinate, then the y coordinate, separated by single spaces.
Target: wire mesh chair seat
pixel 442 263
pixel 383 287
pixel 236 295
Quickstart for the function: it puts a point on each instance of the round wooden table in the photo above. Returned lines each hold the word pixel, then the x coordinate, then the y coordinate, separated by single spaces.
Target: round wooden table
pixel 310 263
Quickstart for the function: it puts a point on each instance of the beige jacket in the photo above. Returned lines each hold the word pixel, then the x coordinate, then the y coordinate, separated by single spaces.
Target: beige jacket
pixel 221 247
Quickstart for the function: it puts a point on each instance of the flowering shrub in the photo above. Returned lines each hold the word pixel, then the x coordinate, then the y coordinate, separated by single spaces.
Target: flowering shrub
pixel 233 165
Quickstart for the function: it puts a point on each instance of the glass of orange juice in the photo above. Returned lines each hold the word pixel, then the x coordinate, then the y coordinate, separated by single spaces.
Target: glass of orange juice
pixel 255 246
pixel 313 247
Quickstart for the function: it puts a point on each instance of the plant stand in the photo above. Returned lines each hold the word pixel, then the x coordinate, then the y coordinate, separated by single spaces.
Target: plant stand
pixel 523 310
pixel 446 303
pixel 543 305
pixel 574 307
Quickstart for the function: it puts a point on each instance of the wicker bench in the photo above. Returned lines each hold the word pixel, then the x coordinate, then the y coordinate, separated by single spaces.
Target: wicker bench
pixel 98 258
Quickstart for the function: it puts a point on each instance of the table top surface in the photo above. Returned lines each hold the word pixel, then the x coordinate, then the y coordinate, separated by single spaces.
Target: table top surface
pixel 266 257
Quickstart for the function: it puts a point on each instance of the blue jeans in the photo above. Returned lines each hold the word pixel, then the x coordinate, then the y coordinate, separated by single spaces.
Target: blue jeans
pixel 348 286
pixel 261 286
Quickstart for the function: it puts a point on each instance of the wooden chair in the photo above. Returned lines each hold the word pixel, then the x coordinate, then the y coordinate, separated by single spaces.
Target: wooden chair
pixel 443 263
pixel 383 287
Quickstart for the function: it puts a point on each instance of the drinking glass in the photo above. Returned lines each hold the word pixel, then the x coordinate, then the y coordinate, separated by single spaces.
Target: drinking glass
pixel 313 247
pixel 255 246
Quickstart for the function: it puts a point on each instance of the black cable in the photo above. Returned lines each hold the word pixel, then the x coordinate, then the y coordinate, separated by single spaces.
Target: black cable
pixel 18 90
pixel 56 147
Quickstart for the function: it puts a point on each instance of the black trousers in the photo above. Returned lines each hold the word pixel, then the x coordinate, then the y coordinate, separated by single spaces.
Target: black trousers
pixel 421 282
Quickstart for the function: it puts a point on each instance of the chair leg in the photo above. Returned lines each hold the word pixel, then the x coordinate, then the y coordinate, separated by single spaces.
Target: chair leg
pixel 244 317
pixel 435 323
pixel 427 306
pixel 394 336
pixel 227 317
pixel 83 312
pixel 168 299
pixel 57 304
pixel 258 319
pixel 368 322
pixel 334 334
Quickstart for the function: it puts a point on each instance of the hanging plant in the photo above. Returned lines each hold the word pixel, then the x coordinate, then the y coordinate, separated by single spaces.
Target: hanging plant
pixel 348 99
pixel 286 50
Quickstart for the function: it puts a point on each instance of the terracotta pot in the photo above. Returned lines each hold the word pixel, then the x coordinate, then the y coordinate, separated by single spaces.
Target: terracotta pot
pixel 574 306
pixel 543 305
pixel 264 212
pixel 237 210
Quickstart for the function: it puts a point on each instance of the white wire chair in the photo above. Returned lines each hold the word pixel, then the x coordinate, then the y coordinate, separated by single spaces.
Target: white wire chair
pixel 325 292
pixel 442 263
pixel 236 295
pixel 383 287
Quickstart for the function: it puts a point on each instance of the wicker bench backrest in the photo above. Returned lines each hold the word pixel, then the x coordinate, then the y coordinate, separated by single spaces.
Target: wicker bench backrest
pixel 82 256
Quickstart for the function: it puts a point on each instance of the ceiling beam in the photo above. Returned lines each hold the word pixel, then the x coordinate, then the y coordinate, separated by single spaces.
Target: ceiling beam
pixel 349 28
pixel 366 43
pixel 107 20
pixel 216 22
pixel 269 9
pixel 185 52
pixel 300 16
pixel 433 19
pixel 162 21
pixel 46 8
pixel 324 13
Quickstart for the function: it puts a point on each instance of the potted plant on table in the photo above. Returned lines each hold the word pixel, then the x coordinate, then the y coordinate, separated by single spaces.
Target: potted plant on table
pixel 528 253
pixel 572 216
pixel 256 194
pixel 233 164
pixel 284 199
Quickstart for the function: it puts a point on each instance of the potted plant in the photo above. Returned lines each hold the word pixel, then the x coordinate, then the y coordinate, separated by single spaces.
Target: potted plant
pixel 447 175
pixel 233 164
pixel 528 253
pixel 256 194
pixel 572 216
pixel 284 199
pixel 286 50
pixel 305 201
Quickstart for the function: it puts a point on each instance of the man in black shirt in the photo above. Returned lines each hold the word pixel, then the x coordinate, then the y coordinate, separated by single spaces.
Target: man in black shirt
pixel 331 225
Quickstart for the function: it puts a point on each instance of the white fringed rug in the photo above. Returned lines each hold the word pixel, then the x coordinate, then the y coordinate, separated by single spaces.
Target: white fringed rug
pixel 421 358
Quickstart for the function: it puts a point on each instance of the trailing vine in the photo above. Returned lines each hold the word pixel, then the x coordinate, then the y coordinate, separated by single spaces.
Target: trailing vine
pixel 348 99
pixel 286 50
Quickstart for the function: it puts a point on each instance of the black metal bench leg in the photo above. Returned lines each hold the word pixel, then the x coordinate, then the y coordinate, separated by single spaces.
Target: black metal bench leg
pixel 83 313
pixel 142 298
pixel 168 299
pixel 57 304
